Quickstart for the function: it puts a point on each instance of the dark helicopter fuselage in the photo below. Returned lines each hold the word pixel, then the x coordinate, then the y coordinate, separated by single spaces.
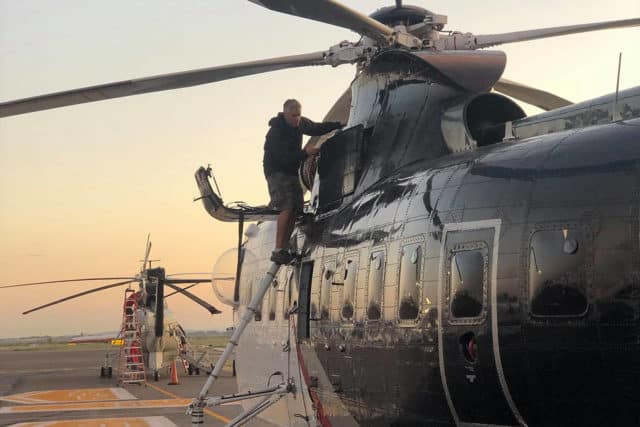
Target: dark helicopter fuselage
pixel 498 285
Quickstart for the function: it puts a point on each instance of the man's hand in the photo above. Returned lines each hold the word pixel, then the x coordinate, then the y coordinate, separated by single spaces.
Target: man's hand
pixel 311 150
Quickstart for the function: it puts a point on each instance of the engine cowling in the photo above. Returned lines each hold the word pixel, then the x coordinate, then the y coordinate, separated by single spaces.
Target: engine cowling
pixel 478 121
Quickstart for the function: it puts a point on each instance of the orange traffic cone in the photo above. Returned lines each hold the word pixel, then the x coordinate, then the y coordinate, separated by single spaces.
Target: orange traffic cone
pixel 173 370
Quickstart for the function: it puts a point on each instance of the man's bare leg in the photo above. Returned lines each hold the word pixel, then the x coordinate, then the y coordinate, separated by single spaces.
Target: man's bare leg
pixel 286 221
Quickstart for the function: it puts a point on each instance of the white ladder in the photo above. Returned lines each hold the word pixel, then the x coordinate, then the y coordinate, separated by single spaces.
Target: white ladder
pixel 270 395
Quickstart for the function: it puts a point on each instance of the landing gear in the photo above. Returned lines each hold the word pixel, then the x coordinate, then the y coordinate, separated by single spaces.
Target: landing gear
pixel 106 372
pixel 156 376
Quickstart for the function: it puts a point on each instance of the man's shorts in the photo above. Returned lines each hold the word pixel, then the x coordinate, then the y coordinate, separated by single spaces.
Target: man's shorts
pixel 285 192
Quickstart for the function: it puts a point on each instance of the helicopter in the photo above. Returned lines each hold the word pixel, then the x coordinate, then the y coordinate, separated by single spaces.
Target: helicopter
pixel 461 264
pixel 162 338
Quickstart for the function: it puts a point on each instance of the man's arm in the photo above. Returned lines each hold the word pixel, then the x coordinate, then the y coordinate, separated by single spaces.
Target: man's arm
pixel 312 128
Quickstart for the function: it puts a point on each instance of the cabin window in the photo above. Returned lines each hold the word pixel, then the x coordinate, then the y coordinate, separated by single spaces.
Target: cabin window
pixel 374 288
pixel 349 292
pixel 273 299
pixel 409 289
pixel 286 300
pixel 557 273
pixel 325 291
pixel 467 273
pixel 304 299
pixel 254 289
pixel 245 292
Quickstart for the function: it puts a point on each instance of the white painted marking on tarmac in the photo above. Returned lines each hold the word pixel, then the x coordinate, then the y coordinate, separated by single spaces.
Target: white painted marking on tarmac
pixel 103 422
pixel 94 406
pixel 70 395
pixel 122 394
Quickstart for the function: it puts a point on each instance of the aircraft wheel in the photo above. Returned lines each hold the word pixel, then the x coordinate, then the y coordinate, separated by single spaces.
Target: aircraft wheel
pixel 156 376
pixel 233 368
pixel 197 371
pixel 190 370
pixel 109 372
pixel 102 374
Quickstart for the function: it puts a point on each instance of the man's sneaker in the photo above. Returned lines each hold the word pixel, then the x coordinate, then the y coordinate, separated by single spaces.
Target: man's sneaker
pixel 282 256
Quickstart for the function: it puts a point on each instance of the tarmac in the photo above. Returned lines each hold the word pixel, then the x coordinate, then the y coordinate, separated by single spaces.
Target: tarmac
pixel 63 388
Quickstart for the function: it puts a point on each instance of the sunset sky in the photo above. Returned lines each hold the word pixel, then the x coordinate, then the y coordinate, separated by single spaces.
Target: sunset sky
pixel 81 186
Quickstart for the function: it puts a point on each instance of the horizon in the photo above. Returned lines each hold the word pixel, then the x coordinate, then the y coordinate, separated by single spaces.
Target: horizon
pixel 81 186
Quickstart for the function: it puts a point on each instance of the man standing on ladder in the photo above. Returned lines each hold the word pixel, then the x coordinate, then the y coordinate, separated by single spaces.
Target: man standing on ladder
pixel 282 157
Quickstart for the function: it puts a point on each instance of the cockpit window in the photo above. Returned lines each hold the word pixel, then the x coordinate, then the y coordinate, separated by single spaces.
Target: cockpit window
pixel 557 273
pixel 273 298
pixel 468 275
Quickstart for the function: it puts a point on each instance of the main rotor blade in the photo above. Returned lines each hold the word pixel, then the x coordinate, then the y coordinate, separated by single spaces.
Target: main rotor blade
pixel 101 288
pixel 488 40
pixel 174 281
pixel 65 281
pixel 540 98
pixel 157 83
pixel 197 283
pixel 194 298
pixel 181 289
pixel 147 250
pixel 184 274
pixel 331 12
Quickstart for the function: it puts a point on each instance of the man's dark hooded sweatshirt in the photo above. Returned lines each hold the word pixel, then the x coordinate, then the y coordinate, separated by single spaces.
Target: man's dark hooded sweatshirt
pixel 282 147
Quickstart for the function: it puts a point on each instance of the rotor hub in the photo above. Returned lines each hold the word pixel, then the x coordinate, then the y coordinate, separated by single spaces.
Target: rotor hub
pixel 401 15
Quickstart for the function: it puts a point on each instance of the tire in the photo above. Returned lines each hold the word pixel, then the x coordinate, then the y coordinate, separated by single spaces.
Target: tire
pixel 197 371
pixel 156 376
pixel 102 373
pixel 109 372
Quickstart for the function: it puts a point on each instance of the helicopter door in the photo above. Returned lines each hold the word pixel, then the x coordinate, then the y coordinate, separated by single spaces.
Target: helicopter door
pixel 470 364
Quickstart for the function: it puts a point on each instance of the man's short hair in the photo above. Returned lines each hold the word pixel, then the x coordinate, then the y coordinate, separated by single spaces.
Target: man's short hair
pixel 291 103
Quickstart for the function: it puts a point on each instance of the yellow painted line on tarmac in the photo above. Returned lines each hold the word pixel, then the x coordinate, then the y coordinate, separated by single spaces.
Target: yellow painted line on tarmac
pixel 206 411
pixel 70 395
pixel 103 422
pixel 94 406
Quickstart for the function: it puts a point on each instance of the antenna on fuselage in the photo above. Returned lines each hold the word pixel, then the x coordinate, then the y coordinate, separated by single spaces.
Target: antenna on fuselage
pixel 615 116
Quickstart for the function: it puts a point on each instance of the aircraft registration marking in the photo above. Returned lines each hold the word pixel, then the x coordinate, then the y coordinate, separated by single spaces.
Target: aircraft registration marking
pixel 103 422
pixel 93 406
pixel 70 395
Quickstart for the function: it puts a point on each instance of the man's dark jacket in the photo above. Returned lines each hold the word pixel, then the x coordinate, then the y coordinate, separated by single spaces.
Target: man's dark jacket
pixel 282 147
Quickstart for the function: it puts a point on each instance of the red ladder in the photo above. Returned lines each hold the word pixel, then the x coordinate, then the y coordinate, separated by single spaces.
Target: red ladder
pixel 131 366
